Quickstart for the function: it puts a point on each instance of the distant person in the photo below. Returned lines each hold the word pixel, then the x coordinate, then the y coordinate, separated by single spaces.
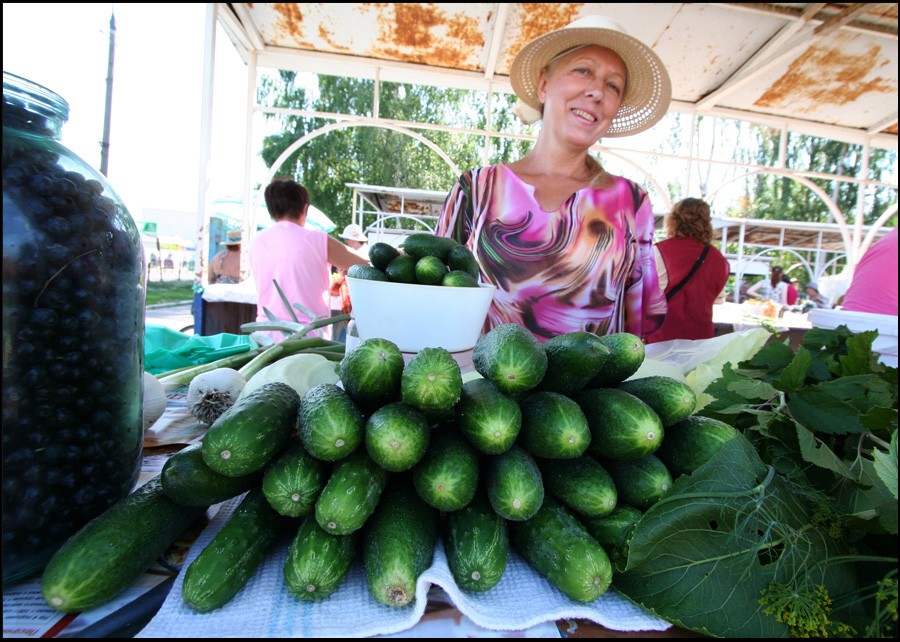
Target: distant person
pixel 225 266
pixel 340 293
pixel 298 258
pixel 771 289
pixel 792 292
pixel 691 272
pixel 874 285
pixel 815 297
pixel 356 239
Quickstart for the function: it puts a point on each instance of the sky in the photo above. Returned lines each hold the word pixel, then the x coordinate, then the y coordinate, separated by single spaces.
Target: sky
pixel 154 157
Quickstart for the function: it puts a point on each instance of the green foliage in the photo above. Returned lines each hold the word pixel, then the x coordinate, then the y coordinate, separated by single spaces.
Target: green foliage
pixel 376 155
pixel 791 529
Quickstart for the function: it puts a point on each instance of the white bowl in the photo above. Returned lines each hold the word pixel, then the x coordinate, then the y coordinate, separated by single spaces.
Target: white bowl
pixel 420 316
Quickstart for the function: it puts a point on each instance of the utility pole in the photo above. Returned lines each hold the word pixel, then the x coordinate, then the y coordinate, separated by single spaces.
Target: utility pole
pixel 104 144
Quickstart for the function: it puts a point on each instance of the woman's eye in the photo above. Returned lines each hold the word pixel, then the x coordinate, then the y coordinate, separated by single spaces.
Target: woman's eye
pixel 613 86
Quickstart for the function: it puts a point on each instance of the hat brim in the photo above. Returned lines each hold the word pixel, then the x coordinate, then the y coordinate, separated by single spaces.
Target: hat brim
pixel 648 89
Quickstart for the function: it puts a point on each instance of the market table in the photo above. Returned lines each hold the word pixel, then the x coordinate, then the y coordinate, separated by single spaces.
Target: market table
pixel 142 610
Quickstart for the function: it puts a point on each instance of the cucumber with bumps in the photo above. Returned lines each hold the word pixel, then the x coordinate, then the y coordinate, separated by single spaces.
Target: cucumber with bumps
pixel 248 436
pixel 233 555
pixel 560 548
pixel 188 481
pixel 317 562
pixel 112 550
pixel 477 545
pixel 398 544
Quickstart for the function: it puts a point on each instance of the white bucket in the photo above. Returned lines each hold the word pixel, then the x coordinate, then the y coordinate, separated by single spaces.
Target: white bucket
pixel 885 343
pixel 420 316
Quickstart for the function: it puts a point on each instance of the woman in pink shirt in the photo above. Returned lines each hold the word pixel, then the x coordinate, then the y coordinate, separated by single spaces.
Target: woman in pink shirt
pixel 298 258
pixel 874 285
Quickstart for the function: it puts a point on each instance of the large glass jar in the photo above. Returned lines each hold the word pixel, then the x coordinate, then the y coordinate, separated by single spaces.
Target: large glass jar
pixel 73 335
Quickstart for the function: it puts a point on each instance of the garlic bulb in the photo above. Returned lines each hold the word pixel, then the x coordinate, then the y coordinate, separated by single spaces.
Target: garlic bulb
pixel 212 393
pixel 154 400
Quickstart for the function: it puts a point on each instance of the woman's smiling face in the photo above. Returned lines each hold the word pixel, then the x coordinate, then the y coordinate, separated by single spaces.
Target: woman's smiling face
pixel 582 91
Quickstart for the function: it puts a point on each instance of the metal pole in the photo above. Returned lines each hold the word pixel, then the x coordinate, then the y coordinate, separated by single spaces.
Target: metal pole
pixel 104 144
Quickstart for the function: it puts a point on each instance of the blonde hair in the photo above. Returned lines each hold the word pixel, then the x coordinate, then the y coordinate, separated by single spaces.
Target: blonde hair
pixel 690 218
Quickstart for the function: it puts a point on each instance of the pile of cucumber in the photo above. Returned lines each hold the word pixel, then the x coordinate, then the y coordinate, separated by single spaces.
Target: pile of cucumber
pixel 554 451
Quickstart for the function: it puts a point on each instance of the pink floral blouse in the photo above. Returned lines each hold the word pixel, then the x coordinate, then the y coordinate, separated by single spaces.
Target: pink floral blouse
pixel 587 265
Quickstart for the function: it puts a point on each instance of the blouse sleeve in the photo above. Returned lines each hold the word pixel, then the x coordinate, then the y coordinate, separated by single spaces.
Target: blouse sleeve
pixel 456 216
pixel 645 302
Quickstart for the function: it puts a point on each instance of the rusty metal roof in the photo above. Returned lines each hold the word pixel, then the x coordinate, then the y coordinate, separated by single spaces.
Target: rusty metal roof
pixel 809 64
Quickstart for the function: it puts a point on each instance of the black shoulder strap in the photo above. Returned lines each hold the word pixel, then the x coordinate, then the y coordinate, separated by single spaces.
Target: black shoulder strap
pixel 690 274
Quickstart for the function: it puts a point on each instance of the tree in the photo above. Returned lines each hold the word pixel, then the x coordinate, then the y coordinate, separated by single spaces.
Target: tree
pixel 373 155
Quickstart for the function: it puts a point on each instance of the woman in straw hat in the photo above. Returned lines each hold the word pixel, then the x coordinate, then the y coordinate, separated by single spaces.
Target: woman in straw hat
pixel 568 245
pixel 225 266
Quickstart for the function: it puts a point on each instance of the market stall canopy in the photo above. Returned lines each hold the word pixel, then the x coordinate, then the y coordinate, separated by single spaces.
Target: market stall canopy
pixel 828 69
pixel 800 235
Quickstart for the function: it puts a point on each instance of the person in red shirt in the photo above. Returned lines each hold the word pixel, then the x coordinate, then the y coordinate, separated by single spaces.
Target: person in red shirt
pixel 792 293
pixel 693 281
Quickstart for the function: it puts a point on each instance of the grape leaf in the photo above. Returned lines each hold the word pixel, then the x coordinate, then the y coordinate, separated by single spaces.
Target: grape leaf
pixel 702 556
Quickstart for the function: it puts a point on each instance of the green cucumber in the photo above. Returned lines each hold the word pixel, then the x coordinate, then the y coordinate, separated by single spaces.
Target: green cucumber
pixel 560 548
pixel 514 484
pixel 553 426
pixel 690 443
pixel 477 545
pixel 292 482
pixel 447 476
pixel 330 424
pixel 511 357
pixel 398 544
pixel 582 484
pixel 622 426
pixel 487 417
pixel 672 399
pixel 641 482
pixel 612 532
pixel 423 244
pixel 396 436
pixel 251 433
pixel 350 494
pixel 188 481
pixel 461 258
pixel 231 558
pixel 111 551
pixel 317 562
pixel 573 359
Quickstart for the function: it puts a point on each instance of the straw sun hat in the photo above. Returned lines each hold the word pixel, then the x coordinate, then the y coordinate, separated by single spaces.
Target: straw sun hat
pixel 233 237
pixel 648 89
pixel 354 232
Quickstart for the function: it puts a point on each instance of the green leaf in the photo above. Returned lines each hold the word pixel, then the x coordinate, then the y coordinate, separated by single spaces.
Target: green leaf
pixel 886 465
pixel 859 353
pixel 702 556
pixel 821 412
pixel 793 377
pixel 772 357
pixel 817 452
pixel 880 421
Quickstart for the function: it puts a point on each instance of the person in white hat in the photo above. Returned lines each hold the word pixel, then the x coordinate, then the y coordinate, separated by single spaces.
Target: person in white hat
pixel 356 239
pixel 225 266
pixel 568 245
